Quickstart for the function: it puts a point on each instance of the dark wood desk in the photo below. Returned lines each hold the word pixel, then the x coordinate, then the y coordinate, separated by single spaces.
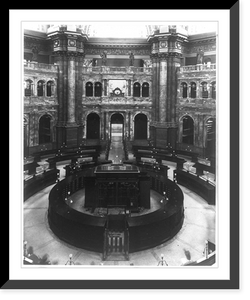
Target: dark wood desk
pixel 196 184
pixel 39 181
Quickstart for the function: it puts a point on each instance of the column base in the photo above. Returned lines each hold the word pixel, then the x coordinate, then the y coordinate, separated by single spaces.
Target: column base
pixel 165 137
pixel 71 135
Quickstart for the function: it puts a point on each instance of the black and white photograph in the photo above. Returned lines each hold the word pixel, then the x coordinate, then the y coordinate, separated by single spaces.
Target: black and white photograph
pixel 120 144
pixel 124 133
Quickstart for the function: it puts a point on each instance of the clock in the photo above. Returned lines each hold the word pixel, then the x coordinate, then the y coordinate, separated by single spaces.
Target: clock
pixel 56 43
pixel 72 43
pixel 117 91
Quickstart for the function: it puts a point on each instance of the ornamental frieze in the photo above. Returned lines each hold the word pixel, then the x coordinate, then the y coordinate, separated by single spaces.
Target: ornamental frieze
pixel 117 50
pixel 31 43
pixel 200 47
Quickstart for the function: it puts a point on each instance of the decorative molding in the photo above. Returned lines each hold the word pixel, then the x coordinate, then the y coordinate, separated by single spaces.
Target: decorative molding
pixel 117 49
pixel 164 124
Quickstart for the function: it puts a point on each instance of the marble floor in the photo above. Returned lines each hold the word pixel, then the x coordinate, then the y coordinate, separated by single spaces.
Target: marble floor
pixel 188 244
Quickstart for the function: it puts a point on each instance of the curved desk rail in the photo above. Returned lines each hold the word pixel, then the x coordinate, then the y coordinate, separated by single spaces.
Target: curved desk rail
pixel 193 182
pixel 39 181
pixel 88 231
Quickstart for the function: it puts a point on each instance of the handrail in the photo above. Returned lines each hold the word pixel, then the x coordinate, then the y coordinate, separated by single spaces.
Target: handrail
pixel 198 67
pixel 122 69
pixel 35 65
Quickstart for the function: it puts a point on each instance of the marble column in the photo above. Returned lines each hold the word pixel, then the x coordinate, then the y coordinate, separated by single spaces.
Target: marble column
pixel 174 84
pixel 129 124
pixel 154 86
pixel 169 83
pixel 104 118
pixel 108 125
pixel 71 91
pixel 157 89
pixel 60 133
pixel 163 89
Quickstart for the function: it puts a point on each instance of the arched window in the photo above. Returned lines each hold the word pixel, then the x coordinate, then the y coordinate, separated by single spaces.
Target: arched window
pixel 44 129
pixel 50 88
pixel 188 130
pixel 211 137
pixel 40 88
pixel 204 91
pixel 25 137
pixel 89 89
pixel 136 89
pixel 28 88
pixel 193 90
pixel 93 126
pixel 145 89
pixel 213 90
pixel 140 127
pixel 184 89
pixel 98 89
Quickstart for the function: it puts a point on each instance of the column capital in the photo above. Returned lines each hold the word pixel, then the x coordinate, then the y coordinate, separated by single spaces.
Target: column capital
pixel 163 56
pixel 154 56
pixel 60 54
pixel 72 56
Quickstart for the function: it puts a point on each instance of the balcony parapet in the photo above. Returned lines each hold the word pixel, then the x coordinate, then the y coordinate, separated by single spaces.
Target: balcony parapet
pixel 117 70
pixel 198 68
pixel 195 102
pixel 164 124
pixel 40 66
pixel 117 100
pixel 31 100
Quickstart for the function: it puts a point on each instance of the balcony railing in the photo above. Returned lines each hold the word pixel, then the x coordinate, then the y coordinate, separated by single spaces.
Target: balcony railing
pixel 127 100
pixel 164 124
pixel 197 102
pixel 108 70
pixel 40 66
pixel 197 68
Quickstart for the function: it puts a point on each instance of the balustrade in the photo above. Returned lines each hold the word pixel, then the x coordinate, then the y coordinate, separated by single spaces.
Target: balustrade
pixel 40 66
pixel 113 69
pixel 197 102
pixel 198 67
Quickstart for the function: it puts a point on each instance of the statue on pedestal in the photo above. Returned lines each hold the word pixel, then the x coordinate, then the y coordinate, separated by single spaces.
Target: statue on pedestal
pixel 131 59
pixel 104 58
pixel 35 51
pixel 200 56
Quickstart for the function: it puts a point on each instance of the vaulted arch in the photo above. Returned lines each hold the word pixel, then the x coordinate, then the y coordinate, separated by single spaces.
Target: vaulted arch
pixel 140 127
pixel 93 126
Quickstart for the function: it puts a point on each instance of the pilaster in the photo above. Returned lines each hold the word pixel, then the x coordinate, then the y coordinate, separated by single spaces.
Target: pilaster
pixel 163 87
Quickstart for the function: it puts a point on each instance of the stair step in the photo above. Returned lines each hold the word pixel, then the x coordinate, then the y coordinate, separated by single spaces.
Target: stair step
pixel 116 257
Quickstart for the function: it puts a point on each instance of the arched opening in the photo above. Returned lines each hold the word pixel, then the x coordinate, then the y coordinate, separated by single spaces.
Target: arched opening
pixel 44 129
pixel 93 126
pixel 136 89
pixel 213 90
pixel 188 130
pixel 50 88
pixel 145 89
pixel 140 127
pixel 204 91
pixel 89 89
pixel 116 126
pixel 25 137
pixel 184 89
pixel 211 137
pixel 98 89
pixel 193 90
pixel 40 88
pixel 28 87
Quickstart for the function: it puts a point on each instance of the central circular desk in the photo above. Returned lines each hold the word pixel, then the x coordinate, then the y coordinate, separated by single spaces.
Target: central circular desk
pixel 92 232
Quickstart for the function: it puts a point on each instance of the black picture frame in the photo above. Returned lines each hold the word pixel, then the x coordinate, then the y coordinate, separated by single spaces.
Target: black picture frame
pixel 234 281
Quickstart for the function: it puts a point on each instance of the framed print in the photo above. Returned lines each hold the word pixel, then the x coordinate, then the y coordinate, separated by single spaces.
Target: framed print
pixel 129 149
